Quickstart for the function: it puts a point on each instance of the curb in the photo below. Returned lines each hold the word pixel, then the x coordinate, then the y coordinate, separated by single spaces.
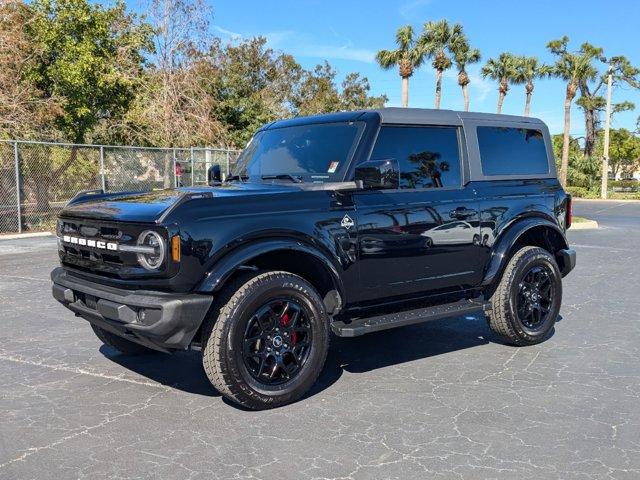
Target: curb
pixel 17 236
pixel 588 225
pixel 608 200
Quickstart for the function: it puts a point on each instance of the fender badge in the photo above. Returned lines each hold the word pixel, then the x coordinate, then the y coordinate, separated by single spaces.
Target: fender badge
pixel 347 222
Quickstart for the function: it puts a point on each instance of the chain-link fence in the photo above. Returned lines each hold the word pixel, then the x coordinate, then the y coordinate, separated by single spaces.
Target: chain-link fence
pixel 38 178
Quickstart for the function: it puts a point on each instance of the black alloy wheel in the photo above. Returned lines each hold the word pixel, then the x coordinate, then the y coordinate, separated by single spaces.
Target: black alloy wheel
pixel 265 339
pixel 535 297
pixel 277 341
pixel 525 304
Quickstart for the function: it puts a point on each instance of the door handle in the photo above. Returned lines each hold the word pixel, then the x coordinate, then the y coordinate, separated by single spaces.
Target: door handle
pixel 462 212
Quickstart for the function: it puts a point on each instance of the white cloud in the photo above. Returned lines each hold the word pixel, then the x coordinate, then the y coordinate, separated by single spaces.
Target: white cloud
pixel 300 45
pixel 334 52
pixel 227 33
pixel 408 9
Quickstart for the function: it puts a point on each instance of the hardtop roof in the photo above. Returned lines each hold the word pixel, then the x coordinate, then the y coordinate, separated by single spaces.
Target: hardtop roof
pixel 405 116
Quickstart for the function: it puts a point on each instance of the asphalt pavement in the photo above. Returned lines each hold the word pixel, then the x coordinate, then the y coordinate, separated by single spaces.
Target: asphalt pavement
pixel 439 400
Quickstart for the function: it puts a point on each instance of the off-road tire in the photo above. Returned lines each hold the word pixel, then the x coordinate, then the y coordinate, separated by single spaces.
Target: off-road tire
pixel 502 313
pixel 121 344
pixel 223 330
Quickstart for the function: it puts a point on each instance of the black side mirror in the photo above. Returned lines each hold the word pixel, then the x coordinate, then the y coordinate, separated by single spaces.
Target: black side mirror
pixel 214 175
pixel 378 174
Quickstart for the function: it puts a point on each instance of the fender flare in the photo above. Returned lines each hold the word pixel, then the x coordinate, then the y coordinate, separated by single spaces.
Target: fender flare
pixel 220 272
pixel 510 236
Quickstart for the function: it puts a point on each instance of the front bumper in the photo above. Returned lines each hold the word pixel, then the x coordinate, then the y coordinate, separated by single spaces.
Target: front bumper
pixel 567 260
pixel 159 320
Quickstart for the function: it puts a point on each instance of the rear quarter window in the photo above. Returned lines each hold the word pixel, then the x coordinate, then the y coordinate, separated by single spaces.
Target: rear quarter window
pixel 512 151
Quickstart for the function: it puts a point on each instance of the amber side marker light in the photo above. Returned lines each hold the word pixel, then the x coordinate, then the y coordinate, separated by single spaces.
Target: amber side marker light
pixel 175 248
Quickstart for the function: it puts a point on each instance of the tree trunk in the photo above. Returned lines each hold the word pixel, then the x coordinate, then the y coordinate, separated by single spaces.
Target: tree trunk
pixel 465 94
pixel 527 105
pixel 564 165
pixel 500 100
pixel 590 132
pixel 438 88
pixel 41 187
pixel 405 91
pixel 43 184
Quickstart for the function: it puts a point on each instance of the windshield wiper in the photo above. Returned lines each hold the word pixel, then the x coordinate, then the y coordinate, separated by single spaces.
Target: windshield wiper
pixel 232 178
pixel 283 176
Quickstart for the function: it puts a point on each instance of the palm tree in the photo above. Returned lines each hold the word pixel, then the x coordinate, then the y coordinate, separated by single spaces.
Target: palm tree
pixel 504 71
pixel 434 42
pixel 407 57
pixel 529 69
pixel 573 68
pixel 463 55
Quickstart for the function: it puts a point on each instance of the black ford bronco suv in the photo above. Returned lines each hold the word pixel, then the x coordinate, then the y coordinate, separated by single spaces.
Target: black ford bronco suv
pixel 348 222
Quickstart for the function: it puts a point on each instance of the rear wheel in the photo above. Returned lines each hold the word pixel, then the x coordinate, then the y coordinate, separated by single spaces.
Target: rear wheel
pixel 266 340
pixel 121 344
pixel 526 303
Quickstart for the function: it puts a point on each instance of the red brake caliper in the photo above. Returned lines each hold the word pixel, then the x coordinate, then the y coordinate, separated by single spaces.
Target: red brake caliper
pixel 284 321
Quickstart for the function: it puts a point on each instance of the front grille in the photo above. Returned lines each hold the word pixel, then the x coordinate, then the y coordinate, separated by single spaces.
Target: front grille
pixel 88 257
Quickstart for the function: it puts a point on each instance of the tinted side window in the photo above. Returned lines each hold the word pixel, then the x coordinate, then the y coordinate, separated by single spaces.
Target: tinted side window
pixel 429 157
pixel 512 151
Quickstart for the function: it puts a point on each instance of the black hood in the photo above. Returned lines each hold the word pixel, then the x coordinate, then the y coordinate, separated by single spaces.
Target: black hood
pixel 149 207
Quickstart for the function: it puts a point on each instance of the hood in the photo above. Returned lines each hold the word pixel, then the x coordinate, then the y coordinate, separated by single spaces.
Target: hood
pixel 149 207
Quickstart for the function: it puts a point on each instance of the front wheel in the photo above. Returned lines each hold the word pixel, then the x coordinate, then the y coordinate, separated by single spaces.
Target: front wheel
pixel 524 307
pixel 266 340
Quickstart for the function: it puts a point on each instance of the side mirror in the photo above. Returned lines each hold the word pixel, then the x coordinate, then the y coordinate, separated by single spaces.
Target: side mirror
pixel 378 174
pixel 214 175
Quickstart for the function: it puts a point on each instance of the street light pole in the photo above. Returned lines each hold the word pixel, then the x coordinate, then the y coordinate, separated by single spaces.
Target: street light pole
pixel 607 127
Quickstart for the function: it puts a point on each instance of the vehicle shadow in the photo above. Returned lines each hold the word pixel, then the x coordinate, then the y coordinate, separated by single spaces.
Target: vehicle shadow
pixel 183 370
pixel 400 345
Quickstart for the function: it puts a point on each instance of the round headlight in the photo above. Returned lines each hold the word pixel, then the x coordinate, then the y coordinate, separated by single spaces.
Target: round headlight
pixel 151 260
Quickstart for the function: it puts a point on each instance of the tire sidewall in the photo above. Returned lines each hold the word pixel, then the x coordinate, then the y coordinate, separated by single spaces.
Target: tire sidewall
pixel 285 286
pixel 544 260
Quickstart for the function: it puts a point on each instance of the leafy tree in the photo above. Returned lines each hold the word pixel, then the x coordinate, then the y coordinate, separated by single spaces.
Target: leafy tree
pixel 582 172
pixel 24 110
pixel 407 57
pixel 254 85
pixel 91 57
pixel 592 99
pixel 574 68
pixel 318 93
pixel 435 41
pixel 355 94
pixel 504 70
pixel 463 55
pixel 624 151
pixel 529 69
pixel 176 105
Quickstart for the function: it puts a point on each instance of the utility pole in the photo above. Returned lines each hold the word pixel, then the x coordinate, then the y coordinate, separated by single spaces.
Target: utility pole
pixel 607 127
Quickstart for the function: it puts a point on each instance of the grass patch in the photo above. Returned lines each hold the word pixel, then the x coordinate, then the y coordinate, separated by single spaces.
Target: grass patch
pixel 579 220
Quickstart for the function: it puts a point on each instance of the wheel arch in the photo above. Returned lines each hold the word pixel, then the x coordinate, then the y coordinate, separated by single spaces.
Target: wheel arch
pixel 285 254
pixel 533 231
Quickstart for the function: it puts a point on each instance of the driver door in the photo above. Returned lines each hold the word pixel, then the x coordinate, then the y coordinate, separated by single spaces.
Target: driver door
pixel 424 235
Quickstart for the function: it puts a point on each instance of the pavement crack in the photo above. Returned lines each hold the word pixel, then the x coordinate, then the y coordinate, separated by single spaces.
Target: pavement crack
pixel 80 371
pixel 85 431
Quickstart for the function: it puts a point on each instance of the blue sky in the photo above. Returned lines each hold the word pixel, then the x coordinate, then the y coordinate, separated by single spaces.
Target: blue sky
pixel 348 33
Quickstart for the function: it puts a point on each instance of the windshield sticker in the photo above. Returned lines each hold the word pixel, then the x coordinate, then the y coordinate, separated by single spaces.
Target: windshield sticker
pixel 333 166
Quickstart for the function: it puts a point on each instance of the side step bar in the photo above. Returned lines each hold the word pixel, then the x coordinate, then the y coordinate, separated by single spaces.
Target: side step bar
pixel 360 326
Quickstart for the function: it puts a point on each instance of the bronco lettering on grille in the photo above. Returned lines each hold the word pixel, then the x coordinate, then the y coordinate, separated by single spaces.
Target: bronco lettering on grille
pixel 86 242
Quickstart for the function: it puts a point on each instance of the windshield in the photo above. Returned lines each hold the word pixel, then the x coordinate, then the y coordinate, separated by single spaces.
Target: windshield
pixel 311 153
